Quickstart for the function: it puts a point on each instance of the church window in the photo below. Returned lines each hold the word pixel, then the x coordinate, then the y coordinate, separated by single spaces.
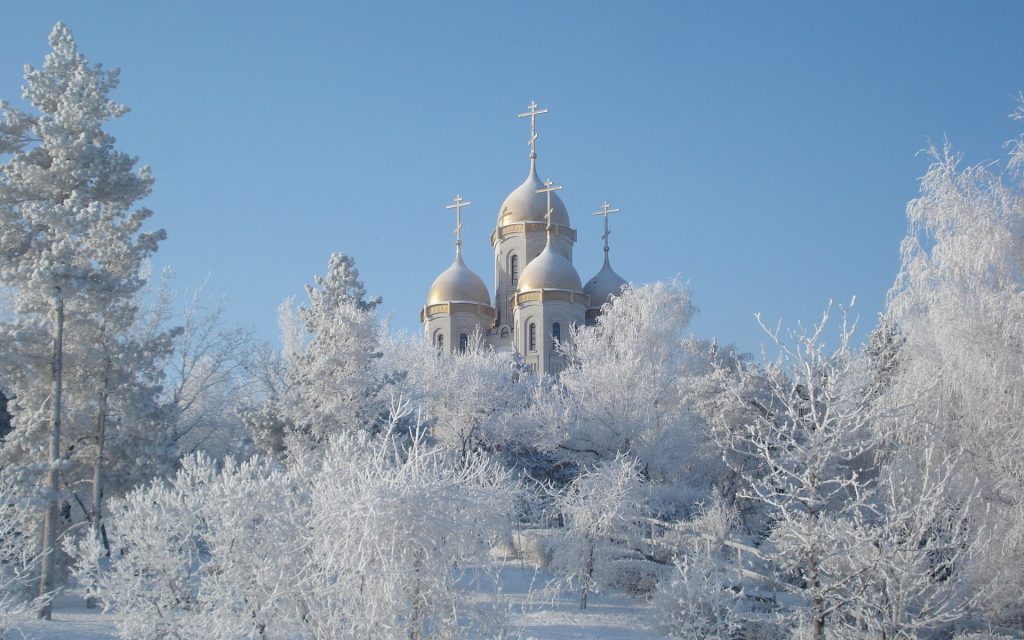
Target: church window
pixel 504 332
pixel 463 343
pixel 439 343
pixel 556 335
pixel 514 270
pixel 532 337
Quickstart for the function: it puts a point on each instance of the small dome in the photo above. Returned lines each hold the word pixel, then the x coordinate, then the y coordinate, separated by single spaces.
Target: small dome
pixel 524 204
pixel 604 285
pixel 550 270
pixel 458 284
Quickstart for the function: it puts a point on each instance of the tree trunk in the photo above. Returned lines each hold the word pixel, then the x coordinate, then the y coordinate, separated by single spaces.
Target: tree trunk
pixel 46 563
pixel 97 470
pixel 814 583
pixel 588 569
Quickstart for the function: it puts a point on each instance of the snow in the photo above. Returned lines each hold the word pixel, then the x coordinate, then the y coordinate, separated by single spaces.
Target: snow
pixel 71 621
pixel 608 614
pixel 535 615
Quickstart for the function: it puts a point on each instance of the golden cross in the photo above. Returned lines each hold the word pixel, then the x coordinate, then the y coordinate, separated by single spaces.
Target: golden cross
pixel 605 211
pixel 532 114
pixel 457 204
pixel 548 189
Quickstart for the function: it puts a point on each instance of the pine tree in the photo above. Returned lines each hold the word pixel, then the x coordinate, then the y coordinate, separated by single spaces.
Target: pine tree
pixel 72 250
pixel 334 377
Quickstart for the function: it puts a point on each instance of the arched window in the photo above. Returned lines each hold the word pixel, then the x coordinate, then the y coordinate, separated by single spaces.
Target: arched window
pixel 513 270
pixel 556 335
pixel 504 332
pixel 463 343
pixel 532 337
pixel 440 342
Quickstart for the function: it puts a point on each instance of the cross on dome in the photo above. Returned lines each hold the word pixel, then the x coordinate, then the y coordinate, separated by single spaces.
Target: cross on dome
pixel 457 204
pixel 532 114
pixel 605 211
pixel 548 188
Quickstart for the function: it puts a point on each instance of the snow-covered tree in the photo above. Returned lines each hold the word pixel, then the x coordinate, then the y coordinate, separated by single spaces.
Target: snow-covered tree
pixel 334 380
pixel 605 501
pixel 699 599
pixel 913 564
pixel 462 397
pixel 394 528
pixel 207 381
pixel 370 540
pixel 958 305
pixel 72 246
pixel 623 375
pixel 634 383
pixel 17 555
pixel 808 447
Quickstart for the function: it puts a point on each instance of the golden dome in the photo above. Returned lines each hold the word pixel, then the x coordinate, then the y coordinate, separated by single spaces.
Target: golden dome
pixel 458 284
pixel 550 270
pixel 524 204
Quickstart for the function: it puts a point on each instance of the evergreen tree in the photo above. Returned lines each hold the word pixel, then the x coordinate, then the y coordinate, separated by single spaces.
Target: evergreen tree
pixel 73 250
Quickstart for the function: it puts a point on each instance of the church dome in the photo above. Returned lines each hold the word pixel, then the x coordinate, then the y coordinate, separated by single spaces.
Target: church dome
pixel 524 204
pixel 604 285
pixel 458 284
pixel 549 270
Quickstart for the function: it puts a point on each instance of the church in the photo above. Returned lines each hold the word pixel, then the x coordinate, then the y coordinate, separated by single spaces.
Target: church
pixel 538 294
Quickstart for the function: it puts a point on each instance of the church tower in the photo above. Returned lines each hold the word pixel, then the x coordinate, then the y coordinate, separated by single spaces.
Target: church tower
pixel 601 288
pixel 548 301
pixel 521 234
pixel 458 306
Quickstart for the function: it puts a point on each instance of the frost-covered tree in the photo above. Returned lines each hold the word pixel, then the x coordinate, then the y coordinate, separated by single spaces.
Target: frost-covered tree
pixel 913 564
pixel 17 555
pixel 395 527
pixel 71 243
pixel 209 554
pixel 623 375
pixel 463 398
pixel 958 304
pixel 332 360
pixel 370 540
pixel 605 501
pixel 207 380
pixel 635 383
pixel 808 446
pixel 699 599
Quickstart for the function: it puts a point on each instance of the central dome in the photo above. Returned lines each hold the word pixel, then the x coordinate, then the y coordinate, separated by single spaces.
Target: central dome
pixel 550 270
pixel 524 204
pixel 458 284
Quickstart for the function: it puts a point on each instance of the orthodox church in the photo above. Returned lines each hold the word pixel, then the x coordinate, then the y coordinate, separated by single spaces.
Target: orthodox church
pixel 538 294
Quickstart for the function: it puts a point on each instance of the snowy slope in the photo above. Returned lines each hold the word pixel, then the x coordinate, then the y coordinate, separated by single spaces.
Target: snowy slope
pixel 534 615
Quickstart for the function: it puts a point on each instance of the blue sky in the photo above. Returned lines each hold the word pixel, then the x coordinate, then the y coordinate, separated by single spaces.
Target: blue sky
pixel 764 152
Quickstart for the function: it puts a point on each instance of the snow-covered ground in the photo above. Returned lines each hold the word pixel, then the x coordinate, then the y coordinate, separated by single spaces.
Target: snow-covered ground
pixel 71 621
pixel 534 615
pixel 608 614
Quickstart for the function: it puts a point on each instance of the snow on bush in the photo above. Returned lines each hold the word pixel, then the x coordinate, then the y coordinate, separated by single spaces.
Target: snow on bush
pixel 698 600
pixel 599 505
pixel 17 556
pixel 371 541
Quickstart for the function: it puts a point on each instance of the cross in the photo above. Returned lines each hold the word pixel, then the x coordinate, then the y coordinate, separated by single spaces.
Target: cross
pixel 457 204
pixel 548 189
pixel 532 114
pixel 605 211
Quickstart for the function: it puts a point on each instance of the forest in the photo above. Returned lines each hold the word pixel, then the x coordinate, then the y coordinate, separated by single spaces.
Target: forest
pixel 349 482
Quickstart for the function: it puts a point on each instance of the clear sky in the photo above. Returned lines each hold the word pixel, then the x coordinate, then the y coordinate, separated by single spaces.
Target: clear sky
pixel 763 151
